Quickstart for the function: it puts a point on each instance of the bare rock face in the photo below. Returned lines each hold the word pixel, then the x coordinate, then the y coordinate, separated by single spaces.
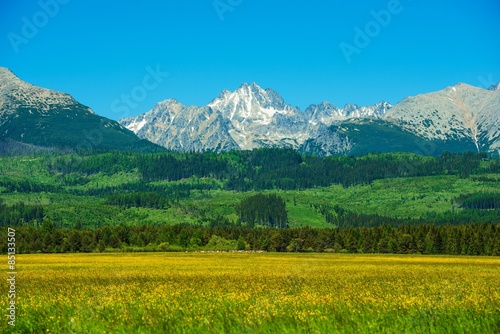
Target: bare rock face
pixel 462 117
pixel 457 113
pixel 177 127
pixel 250 117
pixel 260 118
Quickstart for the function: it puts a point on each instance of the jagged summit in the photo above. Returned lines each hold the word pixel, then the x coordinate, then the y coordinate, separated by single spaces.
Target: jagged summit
pixel 251 85
pixel 458 118
pixel 252 116
pixel 182 128
pixel 251 94
pixel 328 113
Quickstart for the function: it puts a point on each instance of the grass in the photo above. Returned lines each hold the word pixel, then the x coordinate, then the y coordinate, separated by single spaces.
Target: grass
pixel 399 197
pixel 255 293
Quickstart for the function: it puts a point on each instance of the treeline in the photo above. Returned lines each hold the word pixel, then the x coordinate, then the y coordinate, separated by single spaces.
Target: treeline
pixel 19 214
pixel 268 210
pixel 92 163
pixel 139 199
pixel 174 167
pixel 171 190
pixel 265 210
pixel 481 201
pixel 286 169
pixel 262 169
pixel 474 239
pixel 342 218
pixel 27 186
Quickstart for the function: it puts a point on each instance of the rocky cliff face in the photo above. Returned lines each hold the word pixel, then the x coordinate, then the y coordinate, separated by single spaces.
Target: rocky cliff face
pixel 177 127
pixel 327 113
pixel 260 118
pixel 457 118
pixel 461 117
pixel 250 117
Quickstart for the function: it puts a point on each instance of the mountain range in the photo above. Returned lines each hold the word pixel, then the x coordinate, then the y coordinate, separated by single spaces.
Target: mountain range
pixel 458 118
pixel 248 118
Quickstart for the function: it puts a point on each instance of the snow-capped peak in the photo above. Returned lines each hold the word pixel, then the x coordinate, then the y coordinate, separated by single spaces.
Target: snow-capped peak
pixel 250 102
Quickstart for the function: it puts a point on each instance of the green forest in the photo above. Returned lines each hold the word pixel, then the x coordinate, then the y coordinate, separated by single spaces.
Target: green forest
pixel 264 199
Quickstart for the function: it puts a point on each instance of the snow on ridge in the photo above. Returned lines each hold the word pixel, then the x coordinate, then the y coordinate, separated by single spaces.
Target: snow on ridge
pixel 136 126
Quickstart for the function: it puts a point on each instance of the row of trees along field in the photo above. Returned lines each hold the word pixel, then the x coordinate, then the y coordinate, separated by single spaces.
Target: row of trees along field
pixel 474 239
pixel 261 169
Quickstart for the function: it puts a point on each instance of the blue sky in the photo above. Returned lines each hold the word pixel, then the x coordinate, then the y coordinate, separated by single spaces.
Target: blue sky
pixel 102 52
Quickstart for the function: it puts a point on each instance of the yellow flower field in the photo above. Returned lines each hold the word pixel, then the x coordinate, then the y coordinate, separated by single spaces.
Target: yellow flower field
pixel 247 293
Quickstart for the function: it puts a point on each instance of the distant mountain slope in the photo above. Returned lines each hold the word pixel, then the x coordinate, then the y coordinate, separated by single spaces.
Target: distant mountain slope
pixel 177 127
pixel 457 114
pixel 46 118
pixel 362 136
pixel 327 113
pixel 10 147
pixel 457 119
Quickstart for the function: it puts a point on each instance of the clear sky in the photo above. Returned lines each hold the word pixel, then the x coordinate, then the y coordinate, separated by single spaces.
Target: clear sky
pixel 308 51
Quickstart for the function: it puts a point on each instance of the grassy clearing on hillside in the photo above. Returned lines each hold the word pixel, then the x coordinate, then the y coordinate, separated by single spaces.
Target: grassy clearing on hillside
pixel 255 293
pixel 413 197
pixel 399 197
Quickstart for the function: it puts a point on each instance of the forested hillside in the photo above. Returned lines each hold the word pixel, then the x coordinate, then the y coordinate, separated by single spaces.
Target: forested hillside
pixel 263 189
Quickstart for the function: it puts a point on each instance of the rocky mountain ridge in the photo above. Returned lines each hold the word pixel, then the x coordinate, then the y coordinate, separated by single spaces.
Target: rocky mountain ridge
pixel 459 117
pixel 250 117
pixel 457 113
